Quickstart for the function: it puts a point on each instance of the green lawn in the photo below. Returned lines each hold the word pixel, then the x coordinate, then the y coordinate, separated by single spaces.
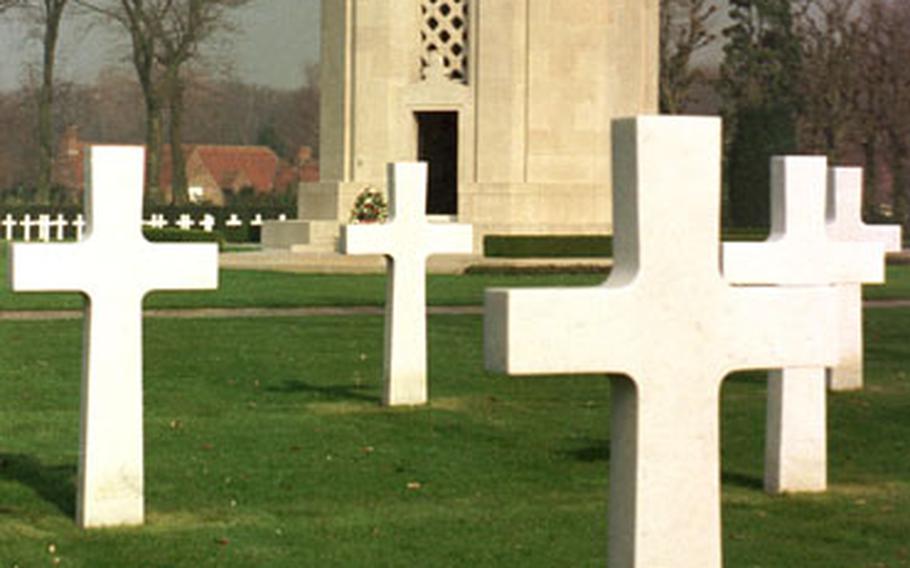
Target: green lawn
pixel 248 288
pixel 266 446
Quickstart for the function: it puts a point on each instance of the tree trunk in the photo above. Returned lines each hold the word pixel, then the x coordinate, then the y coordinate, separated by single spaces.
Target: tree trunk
pixel 53 15
pixel 153 134
pixel 179 185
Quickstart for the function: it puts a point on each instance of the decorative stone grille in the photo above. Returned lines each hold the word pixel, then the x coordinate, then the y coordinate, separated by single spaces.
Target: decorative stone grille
pixel 444 35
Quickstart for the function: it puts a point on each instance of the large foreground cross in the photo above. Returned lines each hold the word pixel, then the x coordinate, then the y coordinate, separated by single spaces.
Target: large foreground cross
pixel 800 252
pixel 115 267
pixel 407 240
pixel 845 223
pixel 667 320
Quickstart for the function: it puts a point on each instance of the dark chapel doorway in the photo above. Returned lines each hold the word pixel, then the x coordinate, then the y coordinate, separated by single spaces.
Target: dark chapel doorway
pixel 437 144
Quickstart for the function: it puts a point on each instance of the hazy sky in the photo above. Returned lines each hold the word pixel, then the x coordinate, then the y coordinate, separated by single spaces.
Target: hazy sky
pixel 275 41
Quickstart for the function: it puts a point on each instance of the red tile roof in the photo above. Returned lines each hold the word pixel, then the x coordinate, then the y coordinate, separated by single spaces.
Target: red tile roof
pixel 233 165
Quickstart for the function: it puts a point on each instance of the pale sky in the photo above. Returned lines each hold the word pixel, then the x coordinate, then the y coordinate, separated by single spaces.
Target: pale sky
pixel 275 41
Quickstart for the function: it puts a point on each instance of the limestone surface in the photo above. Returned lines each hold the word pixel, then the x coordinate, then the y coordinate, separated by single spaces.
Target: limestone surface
pixel 114 267
pixel 407 239
pixel 669 322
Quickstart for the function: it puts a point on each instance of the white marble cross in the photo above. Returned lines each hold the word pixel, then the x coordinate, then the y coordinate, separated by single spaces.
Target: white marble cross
pixel 185 222
pixel 27 224
pixel 799 252
pixel 257 220
pixel 667 320
pixel 79 224
pixel 157 221
pixel 207 223
pixel 115 267
pixel 845 223
pixel 233 221
pixel 407 239
pixel 59 225
pixel 9 225
pixel 44 228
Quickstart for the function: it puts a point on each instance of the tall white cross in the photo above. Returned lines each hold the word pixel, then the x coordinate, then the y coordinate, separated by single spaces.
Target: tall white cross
pixel 9 224
pixel 667 320
pixel 799 252
pixel 115 267
pixel 407 239
pixel 845 223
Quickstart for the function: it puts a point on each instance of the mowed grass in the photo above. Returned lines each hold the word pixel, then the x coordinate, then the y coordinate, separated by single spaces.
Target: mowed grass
pixel 250 288
pixel 266 446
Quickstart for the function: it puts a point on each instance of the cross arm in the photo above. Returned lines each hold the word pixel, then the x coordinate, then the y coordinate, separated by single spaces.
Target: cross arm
pixel 444 238
pixel 574 340
pixel 373 238
pixel 787 263
pixel 47 267
pixel 181 266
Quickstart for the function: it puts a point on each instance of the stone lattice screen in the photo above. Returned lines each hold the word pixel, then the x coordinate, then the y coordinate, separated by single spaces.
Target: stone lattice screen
pixel 444 34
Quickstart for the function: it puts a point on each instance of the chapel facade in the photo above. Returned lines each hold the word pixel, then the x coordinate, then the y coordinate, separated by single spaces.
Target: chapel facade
pixel 509 101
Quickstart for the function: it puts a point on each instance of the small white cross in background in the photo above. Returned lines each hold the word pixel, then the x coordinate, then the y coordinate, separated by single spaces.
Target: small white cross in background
pixel 668 322
pixel 185 222
pixel 282 217
pixel 257 220
pixel 407 239
pixel 27 223
pixel 799 253
pixel 115 267
pixel 79 224
pixel 44 228
pixel 59 225
pixel 233 221
pixel 9 224
pixel 207 223
pixel 845 223
pixel 157 221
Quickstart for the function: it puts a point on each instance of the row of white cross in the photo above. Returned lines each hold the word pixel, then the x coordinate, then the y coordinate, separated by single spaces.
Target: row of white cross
pixel 678 313
pixel 54 227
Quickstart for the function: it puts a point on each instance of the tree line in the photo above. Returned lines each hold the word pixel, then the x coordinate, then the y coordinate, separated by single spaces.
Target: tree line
pixel 826 77
pixel 169 98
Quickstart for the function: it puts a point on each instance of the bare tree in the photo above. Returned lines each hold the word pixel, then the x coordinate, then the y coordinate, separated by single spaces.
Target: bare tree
pixel 684 31
pixel 7 4
pixel 885 97
pixel 180 33
pixel 831 87
pixel 165 36
pixel 46 15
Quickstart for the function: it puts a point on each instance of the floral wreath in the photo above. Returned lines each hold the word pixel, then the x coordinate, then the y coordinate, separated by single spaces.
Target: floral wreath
pixel 369 207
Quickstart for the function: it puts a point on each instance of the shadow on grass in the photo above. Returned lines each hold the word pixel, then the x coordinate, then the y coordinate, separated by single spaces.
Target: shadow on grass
pixel 54 483
pixel 742 480
pixel 595 451
pixel 327 392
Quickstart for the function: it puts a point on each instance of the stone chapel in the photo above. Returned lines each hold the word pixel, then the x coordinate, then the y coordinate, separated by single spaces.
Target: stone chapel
pixel 509 101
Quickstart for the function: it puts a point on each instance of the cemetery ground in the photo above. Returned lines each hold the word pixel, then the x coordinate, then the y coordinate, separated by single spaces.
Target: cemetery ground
pixel 265 444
